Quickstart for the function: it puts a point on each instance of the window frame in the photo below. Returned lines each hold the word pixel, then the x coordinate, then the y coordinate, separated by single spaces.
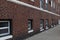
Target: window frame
pixel 8 27
pixel 30 28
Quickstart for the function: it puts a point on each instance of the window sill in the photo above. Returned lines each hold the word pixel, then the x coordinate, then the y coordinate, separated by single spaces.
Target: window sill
pixel 6 37
pixel 41 29
pixel 32 0
pixel 30 31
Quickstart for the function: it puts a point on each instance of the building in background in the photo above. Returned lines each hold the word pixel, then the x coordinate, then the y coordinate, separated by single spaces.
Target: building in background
pixel 22 18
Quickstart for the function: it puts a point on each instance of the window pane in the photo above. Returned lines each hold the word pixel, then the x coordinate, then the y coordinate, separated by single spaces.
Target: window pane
pixel 3 24
pixel 3 31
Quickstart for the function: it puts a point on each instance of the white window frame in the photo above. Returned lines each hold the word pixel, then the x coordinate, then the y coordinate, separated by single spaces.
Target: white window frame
pixel 8 27
pixel 51 3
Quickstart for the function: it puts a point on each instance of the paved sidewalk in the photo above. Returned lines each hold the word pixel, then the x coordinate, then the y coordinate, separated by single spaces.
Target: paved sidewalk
pixel 51 34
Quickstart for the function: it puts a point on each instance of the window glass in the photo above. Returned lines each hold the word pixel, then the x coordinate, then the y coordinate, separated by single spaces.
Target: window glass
pixel 3 24
pixel 3 31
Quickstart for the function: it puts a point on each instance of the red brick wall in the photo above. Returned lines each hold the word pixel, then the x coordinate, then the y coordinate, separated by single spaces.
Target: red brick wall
pixel 20 15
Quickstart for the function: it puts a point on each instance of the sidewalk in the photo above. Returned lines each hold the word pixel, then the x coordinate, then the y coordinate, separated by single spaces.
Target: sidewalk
pixel 51 34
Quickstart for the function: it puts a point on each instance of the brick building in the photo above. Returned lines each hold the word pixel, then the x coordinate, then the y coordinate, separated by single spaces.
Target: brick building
pixel 22 18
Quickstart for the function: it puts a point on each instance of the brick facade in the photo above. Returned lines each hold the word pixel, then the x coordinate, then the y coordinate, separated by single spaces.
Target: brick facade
pixel 20 14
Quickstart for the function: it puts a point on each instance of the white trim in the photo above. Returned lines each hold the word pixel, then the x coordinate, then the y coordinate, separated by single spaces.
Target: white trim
pixel 30 31
pixel 31 6
pixel 46 1
pixel 6 37
pixel 32 0
pixel 51 3
pixel 59 21
pixel 4 34
pixel 3 27
pixel 41 29
pixel 3 21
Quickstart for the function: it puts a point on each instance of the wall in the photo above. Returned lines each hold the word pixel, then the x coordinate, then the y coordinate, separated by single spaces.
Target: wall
pixel 20 15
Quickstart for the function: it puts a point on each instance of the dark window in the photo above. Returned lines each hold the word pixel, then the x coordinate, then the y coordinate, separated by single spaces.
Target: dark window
pixel 41 3
pixel 3 24
pixel 46 5
pixel 3 31
pixel 29 24
pixel 47 22
pixel 41 25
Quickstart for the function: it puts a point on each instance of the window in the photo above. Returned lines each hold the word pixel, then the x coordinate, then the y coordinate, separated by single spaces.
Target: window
pixel 4 28
pixel 41 3
pixel 46 24
pixel 32 0
pixel 41 25
pixel 46 1
pixel 29 24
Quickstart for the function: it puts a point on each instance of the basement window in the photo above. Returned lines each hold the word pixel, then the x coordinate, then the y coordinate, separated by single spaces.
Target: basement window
pixel 46 1
pixel 4 29
pixel 30 26
pixel 46 24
